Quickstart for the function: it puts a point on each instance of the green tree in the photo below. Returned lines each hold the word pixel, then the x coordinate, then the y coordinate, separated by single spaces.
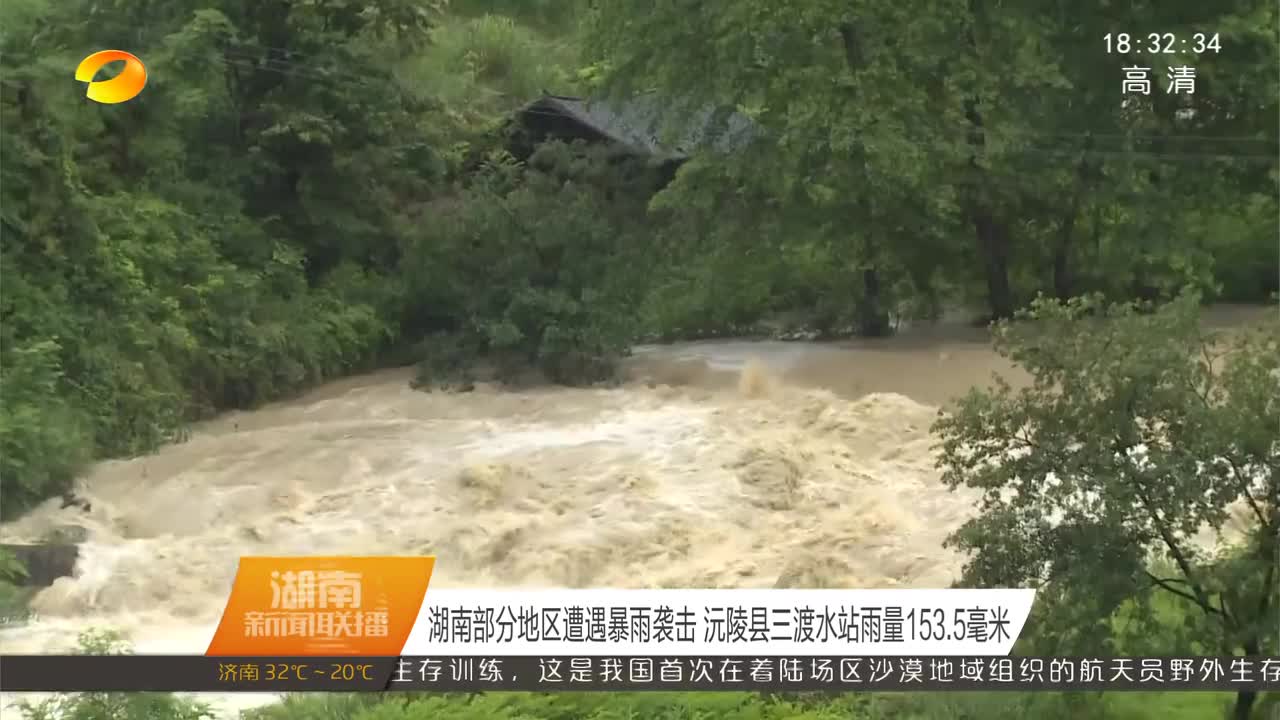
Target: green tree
pixel 845 161
pixel 225 238
pixel 533 265
pixel 891 131
pixel 1139 430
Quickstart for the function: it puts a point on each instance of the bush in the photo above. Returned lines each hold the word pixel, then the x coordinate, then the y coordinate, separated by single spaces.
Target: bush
pixel 114 354
pixel 538 263
pixel 43 439
pixel 489 62
pixel 112 705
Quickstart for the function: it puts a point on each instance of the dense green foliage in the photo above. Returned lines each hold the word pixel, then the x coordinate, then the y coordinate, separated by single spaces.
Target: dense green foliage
pixel 538 260
pixel 1139 432
pixel 212 244
pixel 307 189
pixel 962 146
pixel 112 706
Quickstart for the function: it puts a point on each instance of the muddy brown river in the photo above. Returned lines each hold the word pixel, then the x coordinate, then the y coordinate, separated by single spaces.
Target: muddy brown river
pixel 721 464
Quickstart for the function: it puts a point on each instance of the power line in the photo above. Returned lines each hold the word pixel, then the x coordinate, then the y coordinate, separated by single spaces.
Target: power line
pixel 306 72
pixel 296 64
pixel 290 66
pixel 309 60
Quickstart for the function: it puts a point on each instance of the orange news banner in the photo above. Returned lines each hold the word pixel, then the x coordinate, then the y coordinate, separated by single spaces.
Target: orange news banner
pixel 335 606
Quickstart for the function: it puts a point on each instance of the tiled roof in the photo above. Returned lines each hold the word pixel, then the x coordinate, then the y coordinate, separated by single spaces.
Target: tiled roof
pixel 645 125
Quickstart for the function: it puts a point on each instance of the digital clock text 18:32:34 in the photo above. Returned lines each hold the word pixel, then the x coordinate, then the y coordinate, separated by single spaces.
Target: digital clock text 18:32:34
pixel 1162 43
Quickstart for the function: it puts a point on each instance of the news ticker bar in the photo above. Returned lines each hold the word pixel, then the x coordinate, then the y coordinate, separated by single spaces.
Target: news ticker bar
pixel 188 673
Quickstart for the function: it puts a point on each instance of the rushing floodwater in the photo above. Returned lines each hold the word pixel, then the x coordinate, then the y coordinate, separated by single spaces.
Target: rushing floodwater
pixel 722 464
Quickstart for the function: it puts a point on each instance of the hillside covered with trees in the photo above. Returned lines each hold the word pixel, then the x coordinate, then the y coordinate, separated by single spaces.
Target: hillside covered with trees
pixel 308 189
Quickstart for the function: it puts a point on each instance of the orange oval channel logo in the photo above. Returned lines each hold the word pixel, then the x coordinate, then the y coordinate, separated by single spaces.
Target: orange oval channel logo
pixel 122 87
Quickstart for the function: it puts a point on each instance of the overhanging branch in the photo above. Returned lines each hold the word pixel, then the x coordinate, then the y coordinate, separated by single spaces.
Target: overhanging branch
pixel 1167 584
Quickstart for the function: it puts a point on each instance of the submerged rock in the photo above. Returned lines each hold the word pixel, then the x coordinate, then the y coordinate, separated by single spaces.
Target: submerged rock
pixel 45 562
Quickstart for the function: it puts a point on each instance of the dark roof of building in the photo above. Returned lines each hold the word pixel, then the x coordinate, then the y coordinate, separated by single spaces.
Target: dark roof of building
pixel 644 124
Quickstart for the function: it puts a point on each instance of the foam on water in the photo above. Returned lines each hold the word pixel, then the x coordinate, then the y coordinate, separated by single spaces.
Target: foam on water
pixel 631 487
pixel 687 476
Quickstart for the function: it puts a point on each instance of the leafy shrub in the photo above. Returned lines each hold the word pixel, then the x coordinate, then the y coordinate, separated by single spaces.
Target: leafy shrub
pixel 112 705
pixel 43 438
pixel 536 260
pixel 490 61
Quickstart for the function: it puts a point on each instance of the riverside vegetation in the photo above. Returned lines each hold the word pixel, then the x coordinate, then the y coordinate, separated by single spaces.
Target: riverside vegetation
pixel 307 190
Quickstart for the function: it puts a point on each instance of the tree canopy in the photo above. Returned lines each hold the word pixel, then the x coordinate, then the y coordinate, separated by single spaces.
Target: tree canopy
pixel 1139 432
pixel 897 130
